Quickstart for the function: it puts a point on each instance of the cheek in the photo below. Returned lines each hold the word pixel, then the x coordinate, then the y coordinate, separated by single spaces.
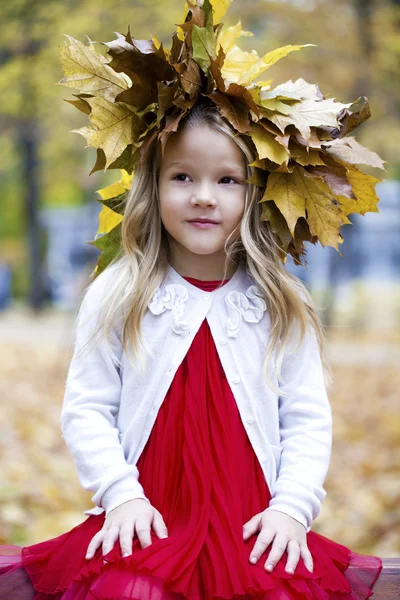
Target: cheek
pixel 233 213
pixel 171 211
pixel 168 203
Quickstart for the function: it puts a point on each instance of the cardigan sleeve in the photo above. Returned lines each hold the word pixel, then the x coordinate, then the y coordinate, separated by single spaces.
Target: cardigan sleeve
pixel 305 422
pixel 90 408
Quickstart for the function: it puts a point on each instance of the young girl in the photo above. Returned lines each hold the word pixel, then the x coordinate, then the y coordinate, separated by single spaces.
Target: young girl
pixel 203 427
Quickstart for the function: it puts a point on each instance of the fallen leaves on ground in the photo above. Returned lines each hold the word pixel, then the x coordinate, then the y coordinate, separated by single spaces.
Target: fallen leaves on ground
pixel 40 496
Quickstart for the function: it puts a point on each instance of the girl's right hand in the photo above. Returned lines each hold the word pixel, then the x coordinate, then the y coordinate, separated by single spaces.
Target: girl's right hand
pixel 134 515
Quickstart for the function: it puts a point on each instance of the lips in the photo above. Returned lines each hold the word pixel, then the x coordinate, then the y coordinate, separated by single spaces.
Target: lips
pixel 203 221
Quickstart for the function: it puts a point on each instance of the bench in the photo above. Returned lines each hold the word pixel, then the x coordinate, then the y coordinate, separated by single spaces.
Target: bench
pixel 387 586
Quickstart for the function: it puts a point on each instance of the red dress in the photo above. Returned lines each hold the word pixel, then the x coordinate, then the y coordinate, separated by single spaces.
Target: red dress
pixel 199 470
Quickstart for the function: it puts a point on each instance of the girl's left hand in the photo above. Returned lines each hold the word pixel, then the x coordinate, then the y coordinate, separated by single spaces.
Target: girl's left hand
pixel 287 531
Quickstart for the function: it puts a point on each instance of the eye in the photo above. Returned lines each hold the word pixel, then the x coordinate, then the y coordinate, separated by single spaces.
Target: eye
pixel 231 178
pixel 184 175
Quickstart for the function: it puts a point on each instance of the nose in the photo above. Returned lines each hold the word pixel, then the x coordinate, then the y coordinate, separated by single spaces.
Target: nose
pixel 204 194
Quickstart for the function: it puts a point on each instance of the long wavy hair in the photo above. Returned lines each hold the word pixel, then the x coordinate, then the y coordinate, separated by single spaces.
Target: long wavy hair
pixel 142 263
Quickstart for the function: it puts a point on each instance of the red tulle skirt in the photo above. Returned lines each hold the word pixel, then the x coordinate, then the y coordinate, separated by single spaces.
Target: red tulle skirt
pixel 199 470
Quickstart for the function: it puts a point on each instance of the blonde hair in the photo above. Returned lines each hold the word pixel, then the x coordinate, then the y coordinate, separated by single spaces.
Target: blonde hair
pixel 143 260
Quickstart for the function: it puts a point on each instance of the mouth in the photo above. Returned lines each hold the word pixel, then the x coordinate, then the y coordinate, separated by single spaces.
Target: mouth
pixel 203 224
pixel 200 220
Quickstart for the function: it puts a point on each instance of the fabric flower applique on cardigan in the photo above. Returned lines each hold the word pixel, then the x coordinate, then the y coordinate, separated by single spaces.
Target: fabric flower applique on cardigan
pixel 174 299
pixel 239 307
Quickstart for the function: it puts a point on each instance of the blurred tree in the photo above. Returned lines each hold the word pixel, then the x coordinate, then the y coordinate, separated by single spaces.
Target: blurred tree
pixel 26 127
pixel 46 159
pixel 362 85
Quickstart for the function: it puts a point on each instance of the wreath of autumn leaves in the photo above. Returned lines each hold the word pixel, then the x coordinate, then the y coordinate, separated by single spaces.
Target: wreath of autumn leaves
pixel 307 164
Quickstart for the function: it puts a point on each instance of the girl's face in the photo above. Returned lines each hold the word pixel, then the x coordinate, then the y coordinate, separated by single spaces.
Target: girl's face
pixel 201 176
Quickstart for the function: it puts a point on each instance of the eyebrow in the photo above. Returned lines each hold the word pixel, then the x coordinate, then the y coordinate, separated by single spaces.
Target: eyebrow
pixel 227 166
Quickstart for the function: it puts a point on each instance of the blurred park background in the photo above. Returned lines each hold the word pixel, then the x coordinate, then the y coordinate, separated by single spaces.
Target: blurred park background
pixel 48 213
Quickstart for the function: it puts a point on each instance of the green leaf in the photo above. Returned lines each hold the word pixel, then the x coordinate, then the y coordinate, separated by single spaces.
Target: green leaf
pixel 203 46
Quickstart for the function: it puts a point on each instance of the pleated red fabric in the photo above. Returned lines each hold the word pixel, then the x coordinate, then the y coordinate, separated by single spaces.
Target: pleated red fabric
pixel 199 470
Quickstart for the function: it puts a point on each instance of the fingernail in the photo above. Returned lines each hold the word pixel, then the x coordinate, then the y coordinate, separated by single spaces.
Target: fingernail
pixel 125 554
pixel 253 559
pixel 269 567
pixel 289 571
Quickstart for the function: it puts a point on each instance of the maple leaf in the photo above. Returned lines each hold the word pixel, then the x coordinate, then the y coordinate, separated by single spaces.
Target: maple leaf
pixel 304 156
pixel 268 146
pixel 297 90
pixel 114 127
pixel 349 151
pixel 118 187
pixel 352 117
pixel 363 188
pixel 278 223
pixel 304 115
pixel 242 67
pixel 108 219
pixel 110 246
pixel 335 177
pixel 300 195
pixel 88 71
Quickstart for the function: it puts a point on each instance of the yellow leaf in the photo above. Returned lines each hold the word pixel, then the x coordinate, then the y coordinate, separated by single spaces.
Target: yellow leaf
pixel 267 146
pixel 257 163
pixel 267 61
pixel 156 41
pixel 288 198
pixel 228 36
pixel 278 223
pixel 219 9
pixel 264 84
pixel 254 92
pixel 115 126
pixel 294 193
pixel 363 187
pixel 108 219
pixel 126 179
pixel 118 187
pixel 276 105
pixel 303 157
pixel 324 213
pixel 87 71
pixel 242 67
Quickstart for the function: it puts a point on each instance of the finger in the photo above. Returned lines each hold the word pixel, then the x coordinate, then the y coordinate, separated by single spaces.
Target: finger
pixel 126 537
pixel 159 526
pixel 263 541
pixel 251 526
pixel 142 528
pixel 307 557
pixel 94 544
pixel 293 556
pixel 110 537
pixel 277 550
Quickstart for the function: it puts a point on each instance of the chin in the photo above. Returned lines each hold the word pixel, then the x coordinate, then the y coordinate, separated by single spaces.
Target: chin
pixel 205 249
pixel 202 250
